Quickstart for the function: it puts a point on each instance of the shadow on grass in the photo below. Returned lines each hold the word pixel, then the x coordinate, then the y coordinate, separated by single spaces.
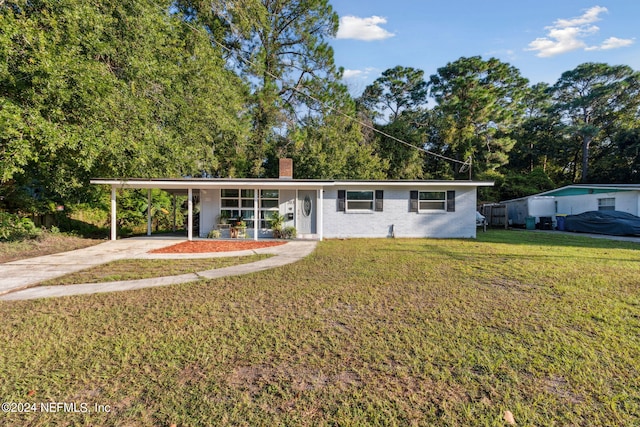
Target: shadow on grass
pixel 536 238
pixel 544 247
pixel 81 228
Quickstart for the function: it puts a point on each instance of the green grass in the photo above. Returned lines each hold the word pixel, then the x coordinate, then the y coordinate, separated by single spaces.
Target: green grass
pixel 148 268
pixel 362 332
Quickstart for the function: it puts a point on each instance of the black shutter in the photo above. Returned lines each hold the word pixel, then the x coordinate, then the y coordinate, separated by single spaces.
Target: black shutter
pixel 379 200
pixel 342 194
pixel 413 202
pixel 451 201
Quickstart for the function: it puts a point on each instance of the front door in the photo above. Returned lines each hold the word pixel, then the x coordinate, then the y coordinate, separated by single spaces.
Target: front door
pixel 306 212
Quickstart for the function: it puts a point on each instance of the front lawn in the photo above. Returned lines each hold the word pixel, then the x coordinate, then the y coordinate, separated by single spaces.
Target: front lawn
pixel 362 332
pixel 136 269
pixel 45 244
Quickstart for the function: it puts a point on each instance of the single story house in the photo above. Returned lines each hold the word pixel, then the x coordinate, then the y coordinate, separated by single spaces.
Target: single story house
pixel 575 199
pixel 579 198
pixel 321 208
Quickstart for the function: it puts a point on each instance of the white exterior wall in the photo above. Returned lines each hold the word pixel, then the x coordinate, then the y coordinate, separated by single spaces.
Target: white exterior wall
pixel 209 210
pixel 626 201
pixel 288 206
pixel 458 224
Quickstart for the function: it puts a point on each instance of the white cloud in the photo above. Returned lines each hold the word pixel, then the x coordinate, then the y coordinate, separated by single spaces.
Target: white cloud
pixel 566 35
pixel 350 74
pixel 589 17
pixel 612 43
pixel 367 29
pixel 357 80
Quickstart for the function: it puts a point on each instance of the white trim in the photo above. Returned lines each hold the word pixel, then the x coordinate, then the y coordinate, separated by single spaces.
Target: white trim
pixel 362 190
pixel 444 202
pixel 267 184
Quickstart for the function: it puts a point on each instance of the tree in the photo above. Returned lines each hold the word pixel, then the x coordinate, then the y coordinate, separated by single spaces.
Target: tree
pixel 395 101
pixel 535 133
pixel 619 160
pixel 399 89
pixel 331 145
pixel 591 101
pixel 121 88
pixel 479 105
pixel 280 47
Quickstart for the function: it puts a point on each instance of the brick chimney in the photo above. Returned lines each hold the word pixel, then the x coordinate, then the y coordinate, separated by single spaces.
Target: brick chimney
pixel 286 168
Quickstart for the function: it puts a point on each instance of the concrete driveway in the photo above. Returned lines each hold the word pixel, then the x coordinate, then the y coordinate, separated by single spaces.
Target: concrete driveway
pixel 16 277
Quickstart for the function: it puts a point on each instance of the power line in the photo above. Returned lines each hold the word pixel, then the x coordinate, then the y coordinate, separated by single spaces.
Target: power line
pixel 466 165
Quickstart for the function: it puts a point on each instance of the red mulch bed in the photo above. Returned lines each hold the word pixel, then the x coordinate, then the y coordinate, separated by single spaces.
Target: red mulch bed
pixel 201 246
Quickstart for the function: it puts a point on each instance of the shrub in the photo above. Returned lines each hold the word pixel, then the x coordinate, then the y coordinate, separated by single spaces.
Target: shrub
pixel 289 233
pixel 12 227
pixel 214 234
pixel 276 222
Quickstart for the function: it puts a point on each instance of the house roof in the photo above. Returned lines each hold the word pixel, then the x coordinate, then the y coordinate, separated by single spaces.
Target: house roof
pixel 580 189
pixel 264 183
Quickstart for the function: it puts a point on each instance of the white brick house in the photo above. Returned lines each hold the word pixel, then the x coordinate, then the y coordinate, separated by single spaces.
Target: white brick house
pixel 322 208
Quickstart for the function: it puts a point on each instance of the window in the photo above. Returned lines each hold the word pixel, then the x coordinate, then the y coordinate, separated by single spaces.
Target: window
pixel 237 204
pixel 608 204
pixel 360 200
pixel 432 201
pixel 269 203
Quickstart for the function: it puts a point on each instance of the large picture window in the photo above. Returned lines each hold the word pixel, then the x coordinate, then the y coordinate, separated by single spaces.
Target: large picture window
pixel 360 200
pixel 238 204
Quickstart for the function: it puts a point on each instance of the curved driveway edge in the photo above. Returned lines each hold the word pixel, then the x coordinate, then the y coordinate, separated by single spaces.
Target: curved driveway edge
pixel 283 255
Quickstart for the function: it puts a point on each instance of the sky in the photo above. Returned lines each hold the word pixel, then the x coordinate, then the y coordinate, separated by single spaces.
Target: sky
pixel 542 38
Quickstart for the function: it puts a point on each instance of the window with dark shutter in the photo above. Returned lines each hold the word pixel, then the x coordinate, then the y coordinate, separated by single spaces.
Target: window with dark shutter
pixel 342 194
pixel 379 200
pixel 451 201
pixel 413 201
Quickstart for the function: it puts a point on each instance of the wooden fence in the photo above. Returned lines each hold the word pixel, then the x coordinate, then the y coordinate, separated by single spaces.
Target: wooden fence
pixel 495 215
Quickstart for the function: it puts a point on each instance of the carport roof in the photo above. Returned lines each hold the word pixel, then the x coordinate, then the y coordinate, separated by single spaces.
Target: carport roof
pixel 213 183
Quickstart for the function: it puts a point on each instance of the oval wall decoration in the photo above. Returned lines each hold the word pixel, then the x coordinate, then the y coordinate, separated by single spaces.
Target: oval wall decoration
pixel 306 206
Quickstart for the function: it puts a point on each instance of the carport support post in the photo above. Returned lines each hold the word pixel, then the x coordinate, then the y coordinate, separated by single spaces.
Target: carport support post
pixel 256 214
pixel 319 221
pixel 190 215
pixel 149 212
pixel 113 213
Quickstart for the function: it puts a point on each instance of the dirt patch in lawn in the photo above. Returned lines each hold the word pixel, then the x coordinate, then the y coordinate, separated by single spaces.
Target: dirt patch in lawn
pixel 45 244
pixel 214 246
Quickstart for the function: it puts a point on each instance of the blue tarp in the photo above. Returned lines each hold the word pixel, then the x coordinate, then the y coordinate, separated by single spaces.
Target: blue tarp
pixel 615 223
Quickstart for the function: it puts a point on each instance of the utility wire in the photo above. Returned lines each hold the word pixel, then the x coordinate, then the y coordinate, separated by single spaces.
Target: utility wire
pixel 465 164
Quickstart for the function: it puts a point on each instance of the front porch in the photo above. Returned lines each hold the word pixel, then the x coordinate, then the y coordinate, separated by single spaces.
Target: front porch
pixel 232 208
